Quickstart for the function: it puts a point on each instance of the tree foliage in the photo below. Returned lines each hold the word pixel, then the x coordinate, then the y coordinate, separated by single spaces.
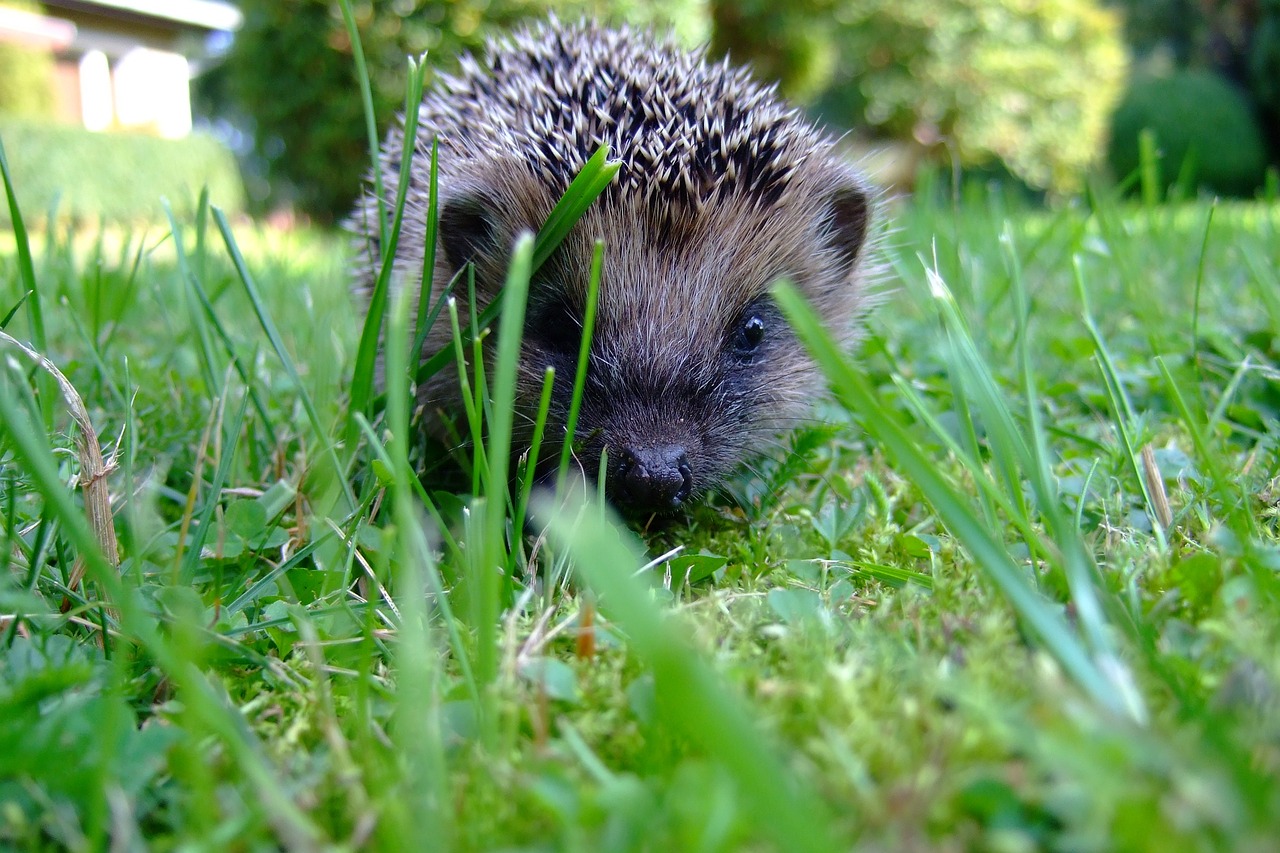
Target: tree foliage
pixel 1028 84
pixel 291 77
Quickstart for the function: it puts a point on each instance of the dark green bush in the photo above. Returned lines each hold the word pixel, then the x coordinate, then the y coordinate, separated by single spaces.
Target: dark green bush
pixel 1237 39
pixel 114 176
pixel 1030 85
pixel 1196 115
pixel 26 75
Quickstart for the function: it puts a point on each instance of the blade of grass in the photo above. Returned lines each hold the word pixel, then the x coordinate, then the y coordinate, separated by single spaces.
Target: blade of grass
pixel 584 353
pixel 485 578
pixel 1200 264
pixel 213 497
pixel 417 724
pixel 596 174
pixel 199 324
pixel 1042 620
pixel 207 705
pixel 362 379
pixel 1121 407
pixel 4 322
pixel 535 448
pixel 424 323
pixel 692 699
pixel 27 275
pixel 277 343
pixel 370 119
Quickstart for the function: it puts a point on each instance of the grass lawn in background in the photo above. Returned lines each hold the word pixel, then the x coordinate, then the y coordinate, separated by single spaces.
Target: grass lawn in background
pixel 1019 593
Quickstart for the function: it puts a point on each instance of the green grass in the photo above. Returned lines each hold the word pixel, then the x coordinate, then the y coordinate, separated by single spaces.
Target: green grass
pixel 954 618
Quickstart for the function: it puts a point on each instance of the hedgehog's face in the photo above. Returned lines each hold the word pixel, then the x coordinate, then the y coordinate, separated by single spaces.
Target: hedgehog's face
pixel 692 370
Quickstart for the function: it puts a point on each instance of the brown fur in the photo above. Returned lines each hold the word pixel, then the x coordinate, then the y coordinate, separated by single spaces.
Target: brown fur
pixel 722 190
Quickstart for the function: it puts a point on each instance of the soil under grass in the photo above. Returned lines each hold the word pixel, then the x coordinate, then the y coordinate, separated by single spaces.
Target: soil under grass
pixel 955 616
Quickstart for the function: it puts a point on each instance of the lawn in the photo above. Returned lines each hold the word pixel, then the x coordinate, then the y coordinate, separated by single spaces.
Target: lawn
pixel 1014 588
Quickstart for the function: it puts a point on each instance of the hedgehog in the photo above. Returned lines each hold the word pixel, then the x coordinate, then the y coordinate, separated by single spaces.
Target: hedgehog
pixel 723 188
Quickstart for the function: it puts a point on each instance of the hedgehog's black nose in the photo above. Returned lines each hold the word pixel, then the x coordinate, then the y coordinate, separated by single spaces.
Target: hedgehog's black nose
pixel 653 478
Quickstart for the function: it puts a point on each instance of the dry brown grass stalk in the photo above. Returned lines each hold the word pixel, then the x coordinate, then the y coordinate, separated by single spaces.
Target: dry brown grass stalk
pixel 93 469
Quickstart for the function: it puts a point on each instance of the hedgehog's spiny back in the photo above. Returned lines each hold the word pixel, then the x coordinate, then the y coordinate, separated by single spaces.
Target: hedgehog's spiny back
pixel 686 132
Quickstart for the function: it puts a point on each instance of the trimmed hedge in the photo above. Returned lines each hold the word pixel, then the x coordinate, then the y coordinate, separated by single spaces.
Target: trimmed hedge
pixel 114 176
pixel 1197 115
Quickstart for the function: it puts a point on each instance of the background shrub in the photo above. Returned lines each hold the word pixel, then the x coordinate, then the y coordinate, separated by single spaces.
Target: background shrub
pixel 1203 126
pixel 26 76
pixel 116 176
pixel 1029 85
pixel 1238 40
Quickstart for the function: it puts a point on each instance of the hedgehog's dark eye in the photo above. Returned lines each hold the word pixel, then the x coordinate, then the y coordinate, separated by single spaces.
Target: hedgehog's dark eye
pixel 750 333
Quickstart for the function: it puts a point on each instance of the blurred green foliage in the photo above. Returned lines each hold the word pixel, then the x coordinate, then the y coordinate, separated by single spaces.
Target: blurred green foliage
pixel 26 75
pixel 1238 40
pixel 291 73
pixel 1204 128
pixel 1028 85
pixel 1018 87
pixel 114 176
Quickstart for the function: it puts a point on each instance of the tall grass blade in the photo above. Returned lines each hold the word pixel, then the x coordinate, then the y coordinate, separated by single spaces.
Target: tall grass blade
pixel 27 275
pixel 596 174
pixel 370 118
pixel 498 456
pixel 277 343
pixel 367 352
pixel 417 730
pixel 199 324
pixel 692 700
pixel 584 354
pixel 213 497
pixel 1042 620
pixel 424 323
pixel 1122 408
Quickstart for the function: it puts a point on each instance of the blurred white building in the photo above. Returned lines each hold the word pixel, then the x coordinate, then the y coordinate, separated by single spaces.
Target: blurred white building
pixel 125 64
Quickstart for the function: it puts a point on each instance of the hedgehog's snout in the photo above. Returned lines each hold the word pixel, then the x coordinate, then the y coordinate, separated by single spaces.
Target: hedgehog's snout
pixel 651 478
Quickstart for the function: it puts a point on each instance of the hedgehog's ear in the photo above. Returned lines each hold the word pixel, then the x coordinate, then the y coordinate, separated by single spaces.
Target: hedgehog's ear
pixel 848 215
pixel 468 229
